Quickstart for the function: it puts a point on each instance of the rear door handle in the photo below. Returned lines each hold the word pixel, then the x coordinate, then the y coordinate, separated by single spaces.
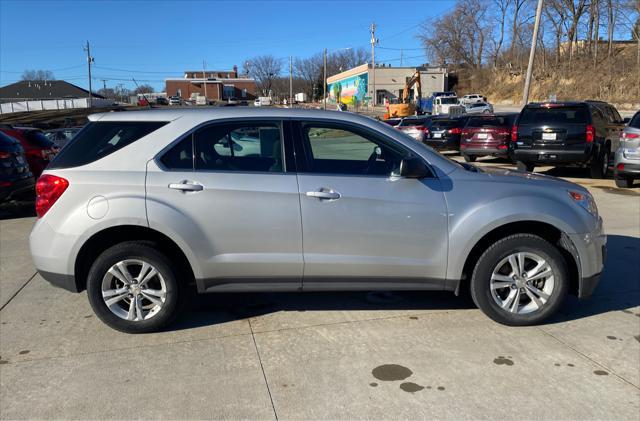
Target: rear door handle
pixel 324 194
pixel 186 186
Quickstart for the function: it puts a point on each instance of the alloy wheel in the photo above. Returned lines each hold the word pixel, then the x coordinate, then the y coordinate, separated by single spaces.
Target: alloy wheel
pixel 522 283
pixel 134 290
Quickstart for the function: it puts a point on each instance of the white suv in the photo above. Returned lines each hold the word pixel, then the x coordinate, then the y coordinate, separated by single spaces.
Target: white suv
pixel 141 205
pixel 472 99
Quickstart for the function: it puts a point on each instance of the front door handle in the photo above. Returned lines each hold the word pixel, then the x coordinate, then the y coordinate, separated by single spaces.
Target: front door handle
pixel 186 186
pixel 324 194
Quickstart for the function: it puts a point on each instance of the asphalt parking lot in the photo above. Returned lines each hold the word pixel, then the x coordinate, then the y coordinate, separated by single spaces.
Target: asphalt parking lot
pixel 326 355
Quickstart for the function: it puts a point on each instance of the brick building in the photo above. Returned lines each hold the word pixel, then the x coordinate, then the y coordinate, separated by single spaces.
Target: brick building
pixel 220 85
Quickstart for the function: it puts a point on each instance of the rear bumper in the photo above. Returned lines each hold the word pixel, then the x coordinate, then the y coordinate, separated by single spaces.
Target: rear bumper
pixel 629 170
pixel 19 189
pixel 443 144
pixel 60 280
pixel 478 150
pixel 541 155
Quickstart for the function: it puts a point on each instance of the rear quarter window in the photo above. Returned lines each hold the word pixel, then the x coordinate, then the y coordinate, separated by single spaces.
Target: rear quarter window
pixel 97 140
pixel 635 121
pixel 554 115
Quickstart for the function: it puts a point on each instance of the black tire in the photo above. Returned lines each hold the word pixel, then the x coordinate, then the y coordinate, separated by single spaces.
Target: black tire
pixel 525 166
pixel 624 183
pixel 141 251
pixel 480 280
pixel 600 165
pixel 469 158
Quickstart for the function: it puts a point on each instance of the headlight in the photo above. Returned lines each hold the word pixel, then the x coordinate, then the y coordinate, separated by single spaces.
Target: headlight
pixel 585 200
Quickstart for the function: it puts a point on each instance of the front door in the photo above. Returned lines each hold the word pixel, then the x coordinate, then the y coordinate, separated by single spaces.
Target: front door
pixel 363 227
pixel 225 192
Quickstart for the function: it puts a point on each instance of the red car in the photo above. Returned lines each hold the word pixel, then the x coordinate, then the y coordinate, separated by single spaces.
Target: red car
pixel 37 148
pixel 486 135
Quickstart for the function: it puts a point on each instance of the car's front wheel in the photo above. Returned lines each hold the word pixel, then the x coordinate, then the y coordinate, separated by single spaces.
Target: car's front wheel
pixel 520 280
pixel 133 288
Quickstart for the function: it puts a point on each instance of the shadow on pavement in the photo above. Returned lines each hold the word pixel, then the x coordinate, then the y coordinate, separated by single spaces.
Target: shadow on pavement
pixel 619 290
pixel 15 210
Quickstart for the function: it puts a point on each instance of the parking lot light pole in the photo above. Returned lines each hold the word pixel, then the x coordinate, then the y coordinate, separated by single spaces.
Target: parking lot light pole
pixel 532 54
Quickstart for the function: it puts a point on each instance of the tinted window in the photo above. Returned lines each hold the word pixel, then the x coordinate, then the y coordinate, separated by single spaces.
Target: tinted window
pixel 239 147
pixel 337 150
pixel 554 115
pixel 6 140
pixel 496 121
pixel 180 157
pixel 635 121
pixel 449 100
pixel 413 122
pixel 37 138
pixel 98 140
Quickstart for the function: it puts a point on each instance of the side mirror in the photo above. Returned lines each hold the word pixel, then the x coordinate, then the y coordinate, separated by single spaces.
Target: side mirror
pixel 414 167
pixel 626 120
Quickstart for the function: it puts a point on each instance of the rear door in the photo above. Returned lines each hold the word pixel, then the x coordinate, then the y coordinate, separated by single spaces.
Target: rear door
pixel 227 191
pixel 363 228
pixel 553 127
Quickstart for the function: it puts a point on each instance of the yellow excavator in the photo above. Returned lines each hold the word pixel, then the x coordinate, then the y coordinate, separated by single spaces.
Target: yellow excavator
pixel 406 108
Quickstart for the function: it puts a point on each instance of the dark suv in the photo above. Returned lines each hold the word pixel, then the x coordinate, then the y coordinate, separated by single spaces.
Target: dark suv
pixel 566 133
pixel 15 178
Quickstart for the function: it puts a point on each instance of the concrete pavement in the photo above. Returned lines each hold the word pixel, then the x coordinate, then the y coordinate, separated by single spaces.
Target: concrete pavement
pixel 326 355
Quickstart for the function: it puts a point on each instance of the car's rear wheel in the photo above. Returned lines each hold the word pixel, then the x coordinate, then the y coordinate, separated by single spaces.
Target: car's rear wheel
pixel 469 158
pixel 600 165
pixel 624 183
pixel 520 280
pixel 133 288
pixel 525 166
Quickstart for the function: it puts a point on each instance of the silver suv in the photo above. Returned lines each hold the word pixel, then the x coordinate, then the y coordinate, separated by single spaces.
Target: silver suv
pixel 627 160
pixel 141 205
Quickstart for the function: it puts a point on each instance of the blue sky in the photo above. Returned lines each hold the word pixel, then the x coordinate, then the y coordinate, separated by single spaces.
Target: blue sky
pixel 153 40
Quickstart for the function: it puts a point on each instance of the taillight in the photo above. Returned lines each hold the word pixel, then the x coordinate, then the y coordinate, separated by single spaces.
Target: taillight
pixel 514 133
pixel 502 132
pixel 424 129
pixel 5 155
pixel 627 136
pixel 49 188
pixel 620 167
pixel 591 133
pixel 455 130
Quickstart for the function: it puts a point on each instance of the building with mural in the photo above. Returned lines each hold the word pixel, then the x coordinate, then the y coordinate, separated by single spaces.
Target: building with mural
pixel 354 86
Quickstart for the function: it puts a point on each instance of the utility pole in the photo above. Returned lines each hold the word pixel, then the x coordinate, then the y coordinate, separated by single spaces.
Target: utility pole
pixel 324 79
pixel 532 53
pixel 401 51
pixel 204 77
pixel 373 61
pixel 104 84
pixel 290 81
pixel 89 61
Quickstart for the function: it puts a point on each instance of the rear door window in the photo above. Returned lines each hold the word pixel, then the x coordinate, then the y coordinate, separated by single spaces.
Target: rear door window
pixel 98 140
pixel 554 115
pixel 38 139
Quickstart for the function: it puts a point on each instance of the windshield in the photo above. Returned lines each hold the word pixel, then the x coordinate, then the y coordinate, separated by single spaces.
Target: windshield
pixel 451 100
pixel 413 122
pixel 554 115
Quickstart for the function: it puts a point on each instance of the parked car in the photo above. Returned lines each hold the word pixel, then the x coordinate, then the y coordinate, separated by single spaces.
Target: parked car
pixel 416 127
pixel 37 148
pixel 143 102
pixel 566 133
pixel 60 137
pixel 627 159
pixel 141 205
pixel 393 122
pixel 486 135
pixel 472 99
pixel 175 100
pixel 478 108
pixel 16 180
pixel 445 133
pixel 162 101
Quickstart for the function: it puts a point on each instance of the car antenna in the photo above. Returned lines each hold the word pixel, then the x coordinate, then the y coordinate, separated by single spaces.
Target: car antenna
pixel 143 95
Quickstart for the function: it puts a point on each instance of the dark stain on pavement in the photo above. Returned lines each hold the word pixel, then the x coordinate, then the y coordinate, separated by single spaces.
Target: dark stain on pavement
pixel 413 318
pixel 391 372
pixel 637 338
pixel 4 362
pixel 441 388
pixel 411 387
pixel 373 384
pixel 570 365
pixel 600 373
pixel 503 361
pixel 89 316
pixel 23 352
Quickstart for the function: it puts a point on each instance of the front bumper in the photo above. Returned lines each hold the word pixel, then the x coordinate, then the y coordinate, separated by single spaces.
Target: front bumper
pixel 60 280
pixel 591 251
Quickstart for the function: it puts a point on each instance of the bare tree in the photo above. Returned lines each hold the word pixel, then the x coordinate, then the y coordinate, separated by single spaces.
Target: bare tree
pixel 501 17
pixel 143 89
pixel 516 18
pixel 309 70
pixel 264 69
pixel 37 75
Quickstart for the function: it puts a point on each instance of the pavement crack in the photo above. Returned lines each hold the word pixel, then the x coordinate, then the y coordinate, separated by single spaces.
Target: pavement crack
pixel 275 414
pixel 588 357
pixel 18 291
